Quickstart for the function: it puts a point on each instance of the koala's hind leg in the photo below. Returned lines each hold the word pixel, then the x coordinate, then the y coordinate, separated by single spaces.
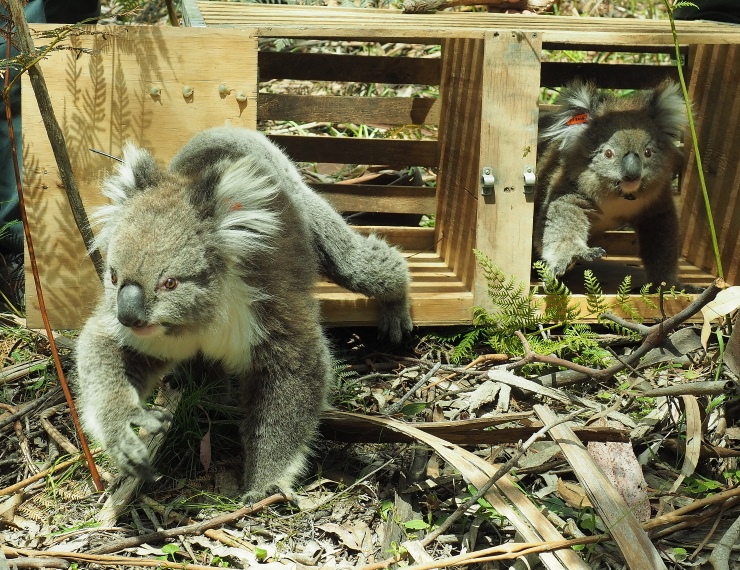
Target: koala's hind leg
pixel 283 395
pixel 657 236
pixel 366 265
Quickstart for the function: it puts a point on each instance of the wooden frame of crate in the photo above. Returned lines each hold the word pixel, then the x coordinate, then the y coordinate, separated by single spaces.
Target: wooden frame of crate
pixel 489 76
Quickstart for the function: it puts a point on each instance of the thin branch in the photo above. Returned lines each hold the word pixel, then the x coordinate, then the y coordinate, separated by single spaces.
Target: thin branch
pixel 188 530
pixel 19 20
pixel 54 132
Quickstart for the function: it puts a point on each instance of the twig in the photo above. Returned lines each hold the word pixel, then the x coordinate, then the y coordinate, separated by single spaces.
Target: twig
pixel 54 132
pixel 654 336
pixel 40 475
pixel 65 170
pixel 49 397
pixel 189 530
pixel 720 557
pixel 396 406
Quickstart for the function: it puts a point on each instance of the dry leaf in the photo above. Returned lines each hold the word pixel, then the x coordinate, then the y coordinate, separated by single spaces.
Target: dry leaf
pixel 621 467
pixel 726 301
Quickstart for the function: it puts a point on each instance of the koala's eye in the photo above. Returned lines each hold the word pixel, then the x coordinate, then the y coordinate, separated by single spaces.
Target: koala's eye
pixel 609 153
pixel 170 283
pixel 648 152
pixel 113 277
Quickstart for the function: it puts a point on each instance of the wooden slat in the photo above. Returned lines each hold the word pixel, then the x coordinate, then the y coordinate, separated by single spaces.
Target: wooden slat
pixel 607 75
pixel 360 68
pixel 358 110
pixel 459 135
pixel 387 199
pixel 346 150
pixel 508 144
pixel 353 23
pixel 715 84
pixel 407 238
pixel 101 99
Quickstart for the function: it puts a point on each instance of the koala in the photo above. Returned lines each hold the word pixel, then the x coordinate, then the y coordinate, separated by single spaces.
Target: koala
pixel 607 161
pixel 217 257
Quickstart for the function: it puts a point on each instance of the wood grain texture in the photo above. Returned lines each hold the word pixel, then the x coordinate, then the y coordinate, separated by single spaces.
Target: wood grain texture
pixel 347 109
pixel 336 67
pixel 715 83
pixel 359 23
pixel 508 145
pixel 459 135
pixel 102 98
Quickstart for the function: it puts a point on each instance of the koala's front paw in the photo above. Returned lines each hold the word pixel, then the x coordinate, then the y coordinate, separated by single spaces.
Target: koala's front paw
pixel 560 261
pixel 395 320
pixel 125 447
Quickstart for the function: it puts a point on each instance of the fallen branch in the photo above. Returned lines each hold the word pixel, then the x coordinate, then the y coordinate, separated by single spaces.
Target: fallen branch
pixel 187 530
pixel 654 337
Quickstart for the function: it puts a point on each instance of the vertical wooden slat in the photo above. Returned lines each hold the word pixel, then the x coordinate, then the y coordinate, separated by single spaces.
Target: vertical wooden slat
pixel 508 144
pixel 459 135
pixel 715 81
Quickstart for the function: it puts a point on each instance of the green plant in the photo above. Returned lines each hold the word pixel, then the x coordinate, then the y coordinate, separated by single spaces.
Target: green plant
pixel 539 312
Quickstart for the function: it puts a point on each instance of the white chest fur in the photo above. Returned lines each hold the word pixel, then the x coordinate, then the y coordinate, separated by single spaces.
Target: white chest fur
pixel 614 212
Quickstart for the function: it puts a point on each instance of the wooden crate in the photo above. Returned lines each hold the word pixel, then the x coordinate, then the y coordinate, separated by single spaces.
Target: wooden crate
pixel 489 76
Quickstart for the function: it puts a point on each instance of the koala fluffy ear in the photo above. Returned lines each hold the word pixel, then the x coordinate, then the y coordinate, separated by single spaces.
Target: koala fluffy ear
pixel 246 213
pixel 137 171
pixel 668 108
pixel 578 102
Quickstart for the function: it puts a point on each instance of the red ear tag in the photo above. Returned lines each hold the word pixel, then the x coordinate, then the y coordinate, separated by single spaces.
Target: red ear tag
pixel 236 206
pixel 578 119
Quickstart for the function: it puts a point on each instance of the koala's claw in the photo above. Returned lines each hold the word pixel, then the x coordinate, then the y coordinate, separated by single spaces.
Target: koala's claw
pixel 395 321
pixel 126 448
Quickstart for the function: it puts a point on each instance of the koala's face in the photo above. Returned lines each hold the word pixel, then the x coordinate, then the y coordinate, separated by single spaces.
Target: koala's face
pixel 627 157
pixel 162 268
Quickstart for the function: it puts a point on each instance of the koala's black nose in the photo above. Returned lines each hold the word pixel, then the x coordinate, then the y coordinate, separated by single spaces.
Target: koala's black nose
pixel 131 306
pixel 631 167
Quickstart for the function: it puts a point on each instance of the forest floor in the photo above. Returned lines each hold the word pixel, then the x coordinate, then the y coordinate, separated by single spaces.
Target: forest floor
pixel 444 451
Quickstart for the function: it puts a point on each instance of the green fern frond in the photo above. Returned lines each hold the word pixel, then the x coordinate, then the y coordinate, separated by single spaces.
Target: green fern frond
pixel 559 304
pixel 647 296
pixel 595 298
pixel 515 306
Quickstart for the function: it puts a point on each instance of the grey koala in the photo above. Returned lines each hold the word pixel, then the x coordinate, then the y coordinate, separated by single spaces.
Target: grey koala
pixel 607 161
pixel 218 256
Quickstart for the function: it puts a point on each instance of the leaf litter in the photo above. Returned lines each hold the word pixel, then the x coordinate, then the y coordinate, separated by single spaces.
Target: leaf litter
pixel 423 463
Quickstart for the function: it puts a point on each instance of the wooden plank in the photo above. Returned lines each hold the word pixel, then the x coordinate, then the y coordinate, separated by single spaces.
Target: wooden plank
pixel 358 110
pixel 407 238
pixel 508 146
pixel 347 150
pixel 713 91
pixel 103 99
pixel 459 136
pixel 388 199
pixel 360 68
pixel 607 75
pixel 353 23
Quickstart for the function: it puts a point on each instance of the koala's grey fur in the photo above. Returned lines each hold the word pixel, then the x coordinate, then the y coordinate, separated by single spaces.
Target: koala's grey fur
pixel 614 168
pixel 218 256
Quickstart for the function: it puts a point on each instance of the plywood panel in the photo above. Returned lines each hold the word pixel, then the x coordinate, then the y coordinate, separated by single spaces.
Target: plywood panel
pixel 508 143
pixel 102 97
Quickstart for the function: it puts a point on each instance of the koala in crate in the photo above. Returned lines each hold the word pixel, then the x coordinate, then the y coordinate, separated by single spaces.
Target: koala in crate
pixel 607 161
